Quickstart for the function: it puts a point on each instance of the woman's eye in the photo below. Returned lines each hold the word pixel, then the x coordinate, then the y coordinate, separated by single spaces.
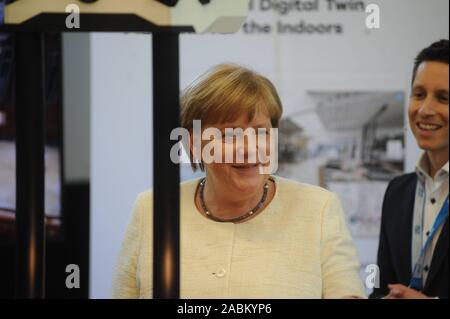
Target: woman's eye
pixel 228 135
pixel 443 99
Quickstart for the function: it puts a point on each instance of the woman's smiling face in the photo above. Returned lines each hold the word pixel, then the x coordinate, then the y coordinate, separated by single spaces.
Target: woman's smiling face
pixel 243 175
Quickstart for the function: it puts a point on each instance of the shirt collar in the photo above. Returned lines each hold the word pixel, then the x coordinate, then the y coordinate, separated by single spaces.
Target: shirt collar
pixel 422 168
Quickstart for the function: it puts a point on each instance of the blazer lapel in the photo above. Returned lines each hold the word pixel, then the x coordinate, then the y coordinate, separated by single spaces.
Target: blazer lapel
pixel 402 233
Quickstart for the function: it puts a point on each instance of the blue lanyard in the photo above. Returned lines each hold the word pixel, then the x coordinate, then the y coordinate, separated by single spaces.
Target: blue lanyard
pixel 416 278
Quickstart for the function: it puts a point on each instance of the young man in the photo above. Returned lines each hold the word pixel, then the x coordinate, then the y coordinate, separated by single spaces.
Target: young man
pixel 413 253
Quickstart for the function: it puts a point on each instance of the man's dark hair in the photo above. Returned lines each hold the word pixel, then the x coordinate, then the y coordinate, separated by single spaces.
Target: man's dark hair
pixel 436 52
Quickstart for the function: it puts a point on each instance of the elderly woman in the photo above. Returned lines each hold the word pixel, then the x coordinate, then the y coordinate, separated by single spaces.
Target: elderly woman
pixel 244 234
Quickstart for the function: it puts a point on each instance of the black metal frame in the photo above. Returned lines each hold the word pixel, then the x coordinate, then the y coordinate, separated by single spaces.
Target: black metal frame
pixel 166 190
pixel 92 22
pixel 30 253
pixel 30 142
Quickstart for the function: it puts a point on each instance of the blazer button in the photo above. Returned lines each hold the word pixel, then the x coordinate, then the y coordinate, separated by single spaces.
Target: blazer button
pixel 220 273
pixel 426 268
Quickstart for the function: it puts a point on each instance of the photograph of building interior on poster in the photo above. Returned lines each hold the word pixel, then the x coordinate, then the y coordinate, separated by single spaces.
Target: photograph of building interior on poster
pixel 351 143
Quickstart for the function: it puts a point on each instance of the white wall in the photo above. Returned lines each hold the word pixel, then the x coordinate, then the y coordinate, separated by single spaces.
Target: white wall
pixel 121 162
pixel 358 59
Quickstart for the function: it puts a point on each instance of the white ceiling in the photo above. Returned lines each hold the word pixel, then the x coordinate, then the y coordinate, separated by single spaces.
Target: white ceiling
pixel 339 111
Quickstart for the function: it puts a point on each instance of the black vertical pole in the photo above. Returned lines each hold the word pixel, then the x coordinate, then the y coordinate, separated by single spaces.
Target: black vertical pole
pixel 166 195
pixel 30 251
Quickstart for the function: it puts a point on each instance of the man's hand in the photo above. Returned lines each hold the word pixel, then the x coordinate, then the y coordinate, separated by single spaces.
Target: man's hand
pixel 399 291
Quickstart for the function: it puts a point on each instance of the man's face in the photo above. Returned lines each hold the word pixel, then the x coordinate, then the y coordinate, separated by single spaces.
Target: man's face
pixel 428 107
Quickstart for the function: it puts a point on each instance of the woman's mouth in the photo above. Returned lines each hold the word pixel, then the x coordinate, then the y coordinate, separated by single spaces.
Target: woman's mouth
pixel 246 168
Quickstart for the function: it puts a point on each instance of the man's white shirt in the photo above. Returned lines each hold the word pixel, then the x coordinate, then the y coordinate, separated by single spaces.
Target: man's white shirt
pixel 436 191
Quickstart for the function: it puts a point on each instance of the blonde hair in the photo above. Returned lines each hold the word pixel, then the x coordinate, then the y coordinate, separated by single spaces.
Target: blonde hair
pixel 224 93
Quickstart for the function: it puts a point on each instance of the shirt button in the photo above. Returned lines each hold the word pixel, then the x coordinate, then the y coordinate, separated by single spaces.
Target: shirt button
pixel 433 200
pixel 220 273
pixel 426 268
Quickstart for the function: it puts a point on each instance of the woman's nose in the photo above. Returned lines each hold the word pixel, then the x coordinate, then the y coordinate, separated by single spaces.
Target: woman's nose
pixel 246 148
